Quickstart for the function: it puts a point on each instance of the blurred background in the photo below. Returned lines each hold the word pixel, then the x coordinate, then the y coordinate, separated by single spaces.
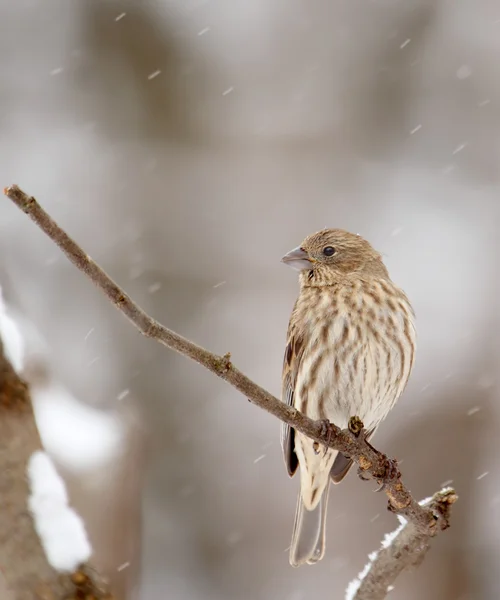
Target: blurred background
pixel 187 145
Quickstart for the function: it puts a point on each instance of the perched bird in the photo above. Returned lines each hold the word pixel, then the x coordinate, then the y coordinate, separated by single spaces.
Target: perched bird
pixel 350 350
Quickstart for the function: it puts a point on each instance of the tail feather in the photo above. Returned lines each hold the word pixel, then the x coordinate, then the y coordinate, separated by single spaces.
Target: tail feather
pixel 308 537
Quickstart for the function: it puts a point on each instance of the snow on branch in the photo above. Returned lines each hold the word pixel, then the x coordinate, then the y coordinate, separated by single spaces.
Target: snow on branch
pixel 401 549
pixel 424 522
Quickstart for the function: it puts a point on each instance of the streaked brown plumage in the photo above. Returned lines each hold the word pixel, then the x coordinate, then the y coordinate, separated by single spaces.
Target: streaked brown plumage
pixel 350 350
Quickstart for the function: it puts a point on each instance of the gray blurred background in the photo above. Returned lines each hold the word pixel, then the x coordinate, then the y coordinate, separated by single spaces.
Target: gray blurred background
pixel 187 145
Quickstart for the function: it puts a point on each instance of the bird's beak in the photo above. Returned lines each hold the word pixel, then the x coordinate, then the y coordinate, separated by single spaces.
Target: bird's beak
pixel 298 259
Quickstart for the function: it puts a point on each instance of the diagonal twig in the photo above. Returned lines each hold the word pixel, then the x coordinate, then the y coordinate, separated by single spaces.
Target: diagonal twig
pixel 426 521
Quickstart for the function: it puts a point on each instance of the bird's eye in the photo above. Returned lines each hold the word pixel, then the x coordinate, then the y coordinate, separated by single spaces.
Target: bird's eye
pixel 329 251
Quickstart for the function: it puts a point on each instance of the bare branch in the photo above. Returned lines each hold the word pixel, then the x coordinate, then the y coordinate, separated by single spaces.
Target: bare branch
pixel 426 522
pixel 403 549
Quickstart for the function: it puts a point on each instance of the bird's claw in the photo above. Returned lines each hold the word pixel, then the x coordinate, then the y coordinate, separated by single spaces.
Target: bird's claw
pixel 362 474
pixel 326 431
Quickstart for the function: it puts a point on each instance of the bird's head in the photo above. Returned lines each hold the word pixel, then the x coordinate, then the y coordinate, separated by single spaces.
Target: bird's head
pixel 331 253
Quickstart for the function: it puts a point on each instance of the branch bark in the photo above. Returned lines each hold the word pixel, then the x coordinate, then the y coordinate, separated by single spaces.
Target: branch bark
pixel 425 522
pixel 406 550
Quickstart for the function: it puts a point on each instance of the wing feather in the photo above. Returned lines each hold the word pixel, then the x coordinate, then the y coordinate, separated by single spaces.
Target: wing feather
pixel 293 355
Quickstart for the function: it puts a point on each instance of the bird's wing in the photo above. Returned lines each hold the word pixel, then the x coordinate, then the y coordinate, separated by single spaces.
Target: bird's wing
pixel 293 355
pixel 342 465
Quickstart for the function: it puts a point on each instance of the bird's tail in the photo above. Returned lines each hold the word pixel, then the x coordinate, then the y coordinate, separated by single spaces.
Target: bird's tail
pixel 308 537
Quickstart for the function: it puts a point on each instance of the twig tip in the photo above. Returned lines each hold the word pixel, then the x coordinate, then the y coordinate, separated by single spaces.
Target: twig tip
pixel 11 190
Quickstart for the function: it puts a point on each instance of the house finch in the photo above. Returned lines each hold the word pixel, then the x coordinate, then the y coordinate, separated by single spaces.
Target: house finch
pixel 349 352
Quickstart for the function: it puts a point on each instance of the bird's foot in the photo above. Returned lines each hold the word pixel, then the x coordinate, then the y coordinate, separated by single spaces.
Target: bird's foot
pixel 355 426
pixel 326 431
pixel 362 474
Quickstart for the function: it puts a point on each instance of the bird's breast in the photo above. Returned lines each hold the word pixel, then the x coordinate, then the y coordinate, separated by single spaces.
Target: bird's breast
pixel 359 353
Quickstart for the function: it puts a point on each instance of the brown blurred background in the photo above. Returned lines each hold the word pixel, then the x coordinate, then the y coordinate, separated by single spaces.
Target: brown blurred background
pixel 187 145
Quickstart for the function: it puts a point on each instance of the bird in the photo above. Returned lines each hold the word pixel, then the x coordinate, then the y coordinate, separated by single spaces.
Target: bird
pixel 350 350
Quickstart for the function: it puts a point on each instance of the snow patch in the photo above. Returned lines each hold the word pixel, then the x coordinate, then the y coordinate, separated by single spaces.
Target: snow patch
pixel 60 528
pixel 79 436
pixel 12 340
pixel 355 584
pixel 389 538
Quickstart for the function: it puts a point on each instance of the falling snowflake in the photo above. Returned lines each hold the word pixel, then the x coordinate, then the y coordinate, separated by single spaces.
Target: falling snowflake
pixel 464 71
